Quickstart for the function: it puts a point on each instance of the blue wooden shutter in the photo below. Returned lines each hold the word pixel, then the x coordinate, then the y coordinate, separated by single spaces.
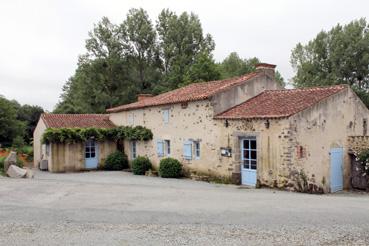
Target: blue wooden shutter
pixel 187 150
pixel 160 148
pixel 166 115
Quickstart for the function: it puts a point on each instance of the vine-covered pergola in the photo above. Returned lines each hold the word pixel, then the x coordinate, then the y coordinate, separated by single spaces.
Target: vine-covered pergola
pixel 76 135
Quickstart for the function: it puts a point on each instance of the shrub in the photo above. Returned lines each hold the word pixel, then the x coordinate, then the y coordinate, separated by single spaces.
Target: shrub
pixel 28 150
pixel 20 162
pixel 170 168
pixel 116 161
pixel 140 165
pixel 2 159
pixel 18 142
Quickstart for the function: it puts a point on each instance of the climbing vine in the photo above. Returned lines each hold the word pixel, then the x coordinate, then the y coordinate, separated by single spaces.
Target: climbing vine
pixel 74 135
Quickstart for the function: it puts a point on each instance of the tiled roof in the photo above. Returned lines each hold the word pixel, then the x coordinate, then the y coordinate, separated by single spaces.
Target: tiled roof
pixel 192 92
pixel 77 120
pixel 279 103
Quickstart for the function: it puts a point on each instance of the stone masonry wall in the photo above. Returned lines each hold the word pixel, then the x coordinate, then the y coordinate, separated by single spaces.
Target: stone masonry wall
pixel 357 144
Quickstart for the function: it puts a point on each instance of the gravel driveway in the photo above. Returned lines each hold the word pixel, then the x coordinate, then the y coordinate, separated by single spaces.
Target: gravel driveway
pixel 117 208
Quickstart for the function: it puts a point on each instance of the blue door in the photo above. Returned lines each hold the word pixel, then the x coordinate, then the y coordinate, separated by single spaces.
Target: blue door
pixel 336 169
pixel 248 161
pixel 91 150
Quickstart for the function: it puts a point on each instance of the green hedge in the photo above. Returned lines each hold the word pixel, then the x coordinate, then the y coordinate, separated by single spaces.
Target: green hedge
pixel 74 135
pixel 116 161
pixel 170 168
pixel 140 165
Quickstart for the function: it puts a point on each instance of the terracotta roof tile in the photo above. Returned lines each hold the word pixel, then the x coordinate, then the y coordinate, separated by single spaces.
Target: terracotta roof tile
pixel 77 120
pixel 279 103
pixel 192 92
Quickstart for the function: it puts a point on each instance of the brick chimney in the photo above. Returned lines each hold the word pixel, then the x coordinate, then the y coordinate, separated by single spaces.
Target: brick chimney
pixel 268 69
pixel 141 97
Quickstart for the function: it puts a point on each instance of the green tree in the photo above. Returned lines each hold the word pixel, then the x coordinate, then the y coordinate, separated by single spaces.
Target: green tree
pixel 184 49
pixel 138 57
pixel 102 76
pixel 30 116
pixel 10 126
pixel 139 38
pixel 337 56
pixel 233 65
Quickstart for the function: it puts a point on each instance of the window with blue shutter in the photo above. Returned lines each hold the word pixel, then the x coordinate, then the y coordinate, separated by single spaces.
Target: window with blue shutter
pixel 166 116
pixel 187 150
pixel 160 148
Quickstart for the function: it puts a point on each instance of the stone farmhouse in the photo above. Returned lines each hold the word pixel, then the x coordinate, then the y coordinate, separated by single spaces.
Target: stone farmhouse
pixel 247 129
pixel 76 156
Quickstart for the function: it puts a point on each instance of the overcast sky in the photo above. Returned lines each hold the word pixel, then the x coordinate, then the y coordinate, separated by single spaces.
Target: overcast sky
pixel 41 40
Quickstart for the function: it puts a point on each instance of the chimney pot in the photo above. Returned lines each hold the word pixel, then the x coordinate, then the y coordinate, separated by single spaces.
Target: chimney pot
pixel 266 68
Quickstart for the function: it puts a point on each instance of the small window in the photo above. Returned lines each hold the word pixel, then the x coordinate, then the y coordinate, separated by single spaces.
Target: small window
pixel 131 119
pixel 365 127
pixel 90 149
pixel 197 149
pixel 133 150
pixel 160 148
pixel 167 147
pixel 166 116
pixel 187 150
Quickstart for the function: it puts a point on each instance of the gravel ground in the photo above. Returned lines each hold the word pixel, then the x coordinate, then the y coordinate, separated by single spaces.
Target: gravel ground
pixel 117 208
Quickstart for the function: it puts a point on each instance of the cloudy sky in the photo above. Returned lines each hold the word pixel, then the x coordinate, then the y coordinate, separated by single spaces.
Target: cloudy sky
pixel 41 40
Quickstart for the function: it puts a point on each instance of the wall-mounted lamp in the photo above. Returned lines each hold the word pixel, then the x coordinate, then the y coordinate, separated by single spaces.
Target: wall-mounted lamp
pixel 226 123
pixel 267 124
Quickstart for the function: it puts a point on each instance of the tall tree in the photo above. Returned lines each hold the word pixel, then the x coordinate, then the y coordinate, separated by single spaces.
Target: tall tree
pixel 10 126
pixel 233 65
pixel 138 57
pixel 30 116
pixel 182 46
pixel 338 56
pixel 102 77
pixel 139 37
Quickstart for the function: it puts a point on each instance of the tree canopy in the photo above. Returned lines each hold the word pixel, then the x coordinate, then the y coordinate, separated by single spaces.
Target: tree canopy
pixel 17 122
pixel 337 56
pixel 142 56
pixel 136 56
pixel 233 65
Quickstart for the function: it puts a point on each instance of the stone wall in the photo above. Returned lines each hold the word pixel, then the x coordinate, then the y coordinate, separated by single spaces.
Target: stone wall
pixel 194 121
pixel 71 157
pixel 357 144
pixel 37 146
pixel 322 127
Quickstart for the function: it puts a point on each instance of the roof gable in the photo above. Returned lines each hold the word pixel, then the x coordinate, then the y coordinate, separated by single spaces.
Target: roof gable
pixel 192 92
pixel 77 120
pixel 279 103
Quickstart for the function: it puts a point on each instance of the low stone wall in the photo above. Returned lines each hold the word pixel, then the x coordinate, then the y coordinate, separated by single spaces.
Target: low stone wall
pixel 356 144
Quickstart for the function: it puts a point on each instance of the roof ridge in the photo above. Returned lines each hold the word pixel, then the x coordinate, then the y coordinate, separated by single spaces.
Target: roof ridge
pixel 77 120
pixel 279 105
pixel 308 88
pixel 76 114
pixel 192 92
